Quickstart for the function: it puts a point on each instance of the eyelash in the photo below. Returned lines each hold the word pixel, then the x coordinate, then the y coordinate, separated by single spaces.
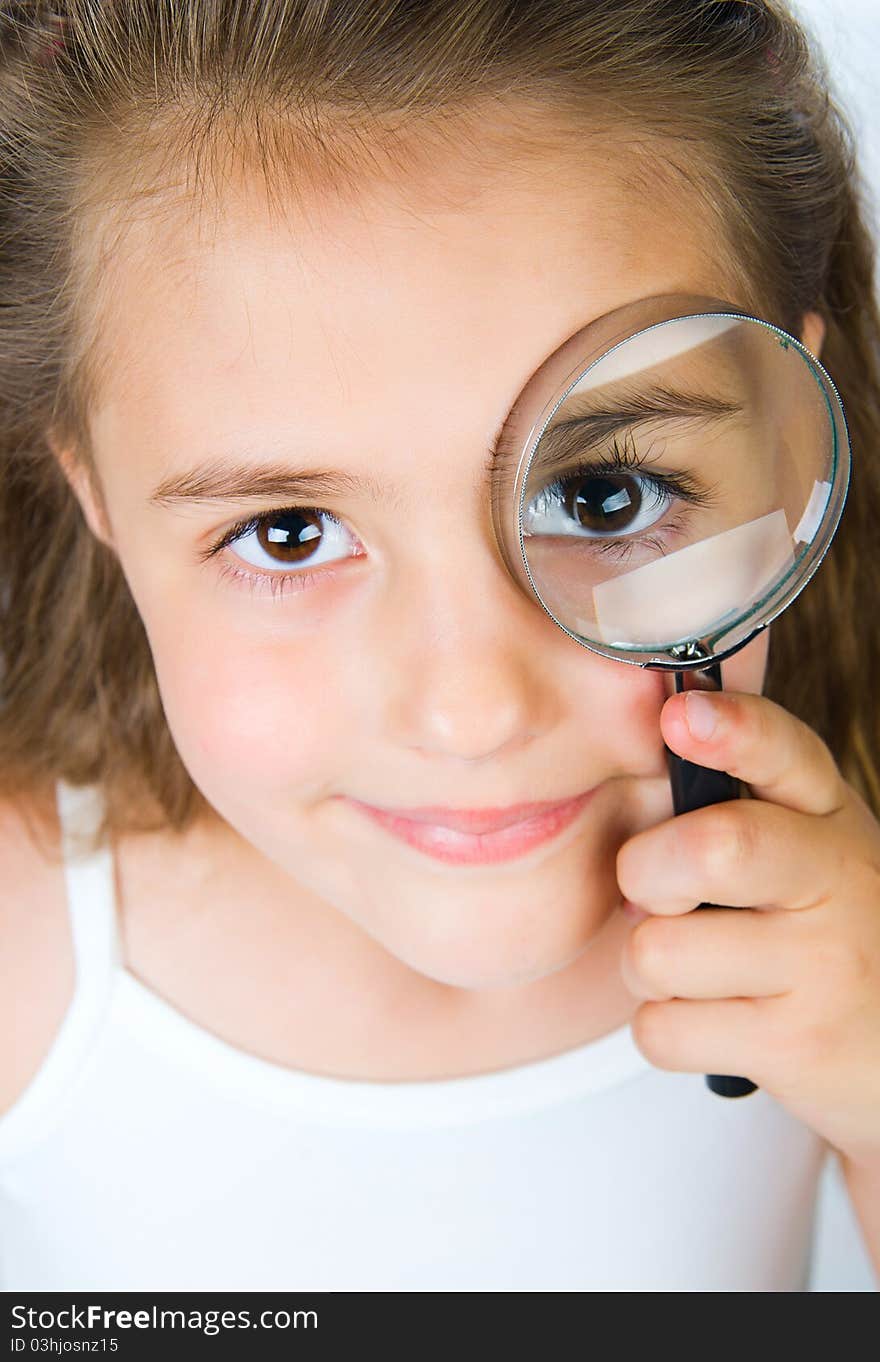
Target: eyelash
pixel 627 459
pixel 277 583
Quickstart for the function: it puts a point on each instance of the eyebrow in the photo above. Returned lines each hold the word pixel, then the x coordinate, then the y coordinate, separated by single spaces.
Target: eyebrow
pixel 231 480
pixel 657 401
pixel 226 479
pixel 587 422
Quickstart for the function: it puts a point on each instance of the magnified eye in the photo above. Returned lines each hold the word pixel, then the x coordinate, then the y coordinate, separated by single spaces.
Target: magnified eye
pixel 597 504
pixel 300 535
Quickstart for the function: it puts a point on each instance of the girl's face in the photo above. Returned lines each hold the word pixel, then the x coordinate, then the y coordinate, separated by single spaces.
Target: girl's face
pixel 384 339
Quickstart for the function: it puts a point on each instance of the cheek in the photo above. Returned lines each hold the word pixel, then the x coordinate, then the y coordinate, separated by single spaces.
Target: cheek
pixel 745 671
pixel 269 715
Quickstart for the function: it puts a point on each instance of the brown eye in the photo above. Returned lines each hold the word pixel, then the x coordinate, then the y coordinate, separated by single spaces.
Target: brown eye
pixel 599 503
pixel 290 536
pixel 298 536
pixel 605 504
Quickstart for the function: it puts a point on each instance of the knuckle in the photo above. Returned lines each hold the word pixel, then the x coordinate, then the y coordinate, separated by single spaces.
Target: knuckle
pixel 727 838
pixel 763 723
pixel 861 967
pixel 840 968
pixel 804 1035
pixel 804 1045
pixel 866 874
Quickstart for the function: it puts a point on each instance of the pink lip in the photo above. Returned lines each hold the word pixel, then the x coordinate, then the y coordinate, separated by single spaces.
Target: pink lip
pixel 477 836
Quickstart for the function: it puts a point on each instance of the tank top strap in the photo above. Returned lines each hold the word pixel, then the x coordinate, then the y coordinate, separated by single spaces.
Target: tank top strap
pixel 91 894
pixel 91 903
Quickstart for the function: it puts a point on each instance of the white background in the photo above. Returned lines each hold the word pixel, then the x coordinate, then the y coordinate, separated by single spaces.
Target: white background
pixel 848 32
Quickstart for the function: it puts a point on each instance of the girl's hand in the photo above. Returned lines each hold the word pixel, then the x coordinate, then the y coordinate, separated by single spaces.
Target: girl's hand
pixel 783 986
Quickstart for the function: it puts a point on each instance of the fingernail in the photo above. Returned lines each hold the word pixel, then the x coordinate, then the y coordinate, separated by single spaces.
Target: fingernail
pixel 701 715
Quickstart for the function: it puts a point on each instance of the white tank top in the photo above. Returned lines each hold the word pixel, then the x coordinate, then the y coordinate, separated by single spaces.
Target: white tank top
pixel 148 1154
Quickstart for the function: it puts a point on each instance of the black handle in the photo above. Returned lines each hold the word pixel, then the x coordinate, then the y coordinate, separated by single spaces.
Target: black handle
pixel 693 787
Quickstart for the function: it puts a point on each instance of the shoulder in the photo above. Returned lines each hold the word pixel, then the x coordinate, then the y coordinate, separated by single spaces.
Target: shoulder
pixel 36 951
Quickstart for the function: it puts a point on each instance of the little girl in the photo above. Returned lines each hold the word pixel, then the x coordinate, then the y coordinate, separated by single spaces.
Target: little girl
pixel 346 926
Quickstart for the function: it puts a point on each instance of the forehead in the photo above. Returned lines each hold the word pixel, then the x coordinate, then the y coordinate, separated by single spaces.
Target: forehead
pixel 410 312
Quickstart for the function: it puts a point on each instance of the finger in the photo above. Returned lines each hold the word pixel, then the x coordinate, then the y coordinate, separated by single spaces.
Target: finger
pixel 743 853
pixel 723 954
pixel 728 1037
pixel 779 756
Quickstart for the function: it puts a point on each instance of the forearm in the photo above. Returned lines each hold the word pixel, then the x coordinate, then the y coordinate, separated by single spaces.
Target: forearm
pixel 863 1185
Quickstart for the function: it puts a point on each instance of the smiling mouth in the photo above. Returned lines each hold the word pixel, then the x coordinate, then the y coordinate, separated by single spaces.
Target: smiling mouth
pixel 477 836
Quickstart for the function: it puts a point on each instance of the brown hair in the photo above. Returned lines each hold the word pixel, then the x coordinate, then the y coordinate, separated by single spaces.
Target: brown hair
pixel 736 87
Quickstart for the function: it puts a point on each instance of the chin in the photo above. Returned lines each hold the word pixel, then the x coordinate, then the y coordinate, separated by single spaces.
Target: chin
pixel 492 979
pixel 485 968
pixel 498 938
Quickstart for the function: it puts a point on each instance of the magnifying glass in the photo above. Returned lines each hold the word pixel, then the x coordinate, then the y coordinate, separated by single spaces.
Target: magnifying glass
pixel 668 481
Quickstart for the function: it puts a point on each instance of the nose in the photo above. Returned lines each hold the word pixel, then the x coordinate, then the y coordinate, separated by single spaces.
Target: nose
pixel 466 651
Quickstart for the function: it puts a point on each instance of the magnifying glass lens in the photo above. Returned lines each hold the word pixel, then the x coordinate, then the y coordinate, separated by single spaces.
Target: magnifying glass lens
pixel 681 485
